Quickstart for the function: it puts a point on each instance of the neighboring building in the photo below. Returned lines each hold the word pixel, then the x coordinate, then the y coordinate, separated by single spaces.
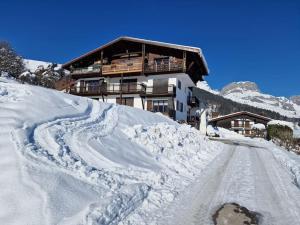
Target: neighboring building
pixel 149 75
pixel 242 123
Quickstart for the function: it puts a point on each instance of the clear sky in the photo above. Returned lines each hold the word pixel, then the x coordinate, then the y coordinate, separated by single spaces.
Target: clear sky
pixel 256 40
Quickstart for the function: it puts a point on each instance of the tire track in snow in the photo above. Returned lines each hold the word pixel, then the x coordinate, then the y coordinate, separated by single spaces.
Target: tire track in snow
pixel 49 139
pixel 251 177
pixel 46 142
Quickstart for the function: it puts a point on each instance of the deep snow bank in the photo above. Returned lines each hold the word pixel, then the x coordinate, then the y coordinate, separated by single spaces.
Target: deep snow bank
pixel 71 160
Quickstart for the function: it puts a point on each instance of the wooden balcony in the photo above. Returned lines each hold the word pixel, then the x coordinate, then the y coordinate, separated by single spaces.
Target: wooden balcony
pixel 152 67
pixel 152 91
pixel 126 88
pixel 109 89
pixel 87 70
pixel 163 66
pixel 122 68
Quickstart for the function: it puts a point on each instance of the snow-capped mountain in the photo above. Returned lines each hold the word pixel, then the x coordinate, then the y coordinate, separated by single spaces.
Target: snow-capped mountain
pixel 295 99
pixel 249 93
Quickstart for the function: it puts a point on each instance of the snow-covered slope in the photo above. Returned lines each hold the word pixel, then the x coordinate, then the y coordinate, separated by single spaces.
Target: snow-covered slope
pixel 32 65
pixel 71 160
pixel 249 93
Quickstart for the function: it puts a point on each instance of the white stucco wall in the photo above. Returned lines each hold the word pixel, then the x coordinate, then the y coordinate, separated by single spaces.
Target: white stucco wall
pixel 181 94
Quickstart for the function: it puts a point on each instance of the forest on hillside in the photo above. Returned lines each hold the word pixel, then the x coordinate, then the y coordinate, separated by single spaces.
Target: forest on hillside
pixel 217 103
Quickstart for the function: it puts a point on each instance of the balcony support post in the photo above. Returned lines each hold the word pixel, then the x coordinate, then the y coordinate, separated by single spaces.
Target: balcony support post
pixel 121 89
pixel 143 58
pixel 101 62
pixel 184 62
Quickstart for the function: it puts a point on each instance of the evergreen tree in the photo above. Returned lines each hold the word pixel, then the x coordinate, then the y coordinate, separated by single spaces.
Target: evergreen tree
pixel 10 61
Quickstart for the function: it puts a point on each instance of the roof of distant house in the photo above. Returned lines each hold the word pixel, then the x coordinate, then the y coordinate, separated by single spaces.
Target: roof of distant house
pixel 239 114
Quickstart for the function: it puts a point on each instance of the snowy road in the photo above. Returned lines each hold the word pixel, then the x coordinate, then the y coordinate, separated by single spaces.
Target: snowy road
pixel 248 175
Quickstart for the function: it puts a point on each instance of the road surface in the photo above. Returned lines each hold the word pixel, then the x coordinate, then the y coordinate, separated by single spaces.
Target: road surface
pixel 245 174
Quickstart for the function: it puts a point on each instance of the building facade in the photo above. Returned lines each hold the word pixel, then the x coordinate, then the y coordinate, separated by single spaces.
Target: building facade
pixel 149 75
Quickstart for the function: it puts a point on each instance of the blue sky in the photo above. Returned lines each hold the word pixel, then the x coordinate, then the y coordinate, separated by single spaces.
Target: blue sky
pixel 257 40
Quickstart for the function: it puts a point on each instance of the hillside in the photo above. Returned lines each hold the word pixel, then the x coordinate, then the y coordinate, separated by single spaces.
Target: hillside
pixel 246 96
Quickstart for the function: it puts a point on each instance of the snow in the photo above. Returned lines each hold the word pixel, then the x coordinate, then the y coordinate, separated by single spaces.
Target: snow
pixel 71 160
pixel 281 123
pixel 204 86
pixel 33 65
pixel 248 93
pixel 251 172
pixel 296 133
pixel 265 101
pixel 259 126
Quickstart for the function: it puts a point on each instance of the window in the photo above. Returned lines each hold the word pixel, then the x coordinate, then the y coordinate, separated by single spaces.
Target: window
pixel 125 101
pixel 179 84
pixel 177 105
pixel 160 106
pixel 181 107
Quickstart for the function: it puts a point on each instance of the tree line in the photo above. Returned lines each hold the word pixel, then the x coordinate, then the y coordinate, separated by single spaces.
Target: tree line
pixel 225 106
pixel 12 65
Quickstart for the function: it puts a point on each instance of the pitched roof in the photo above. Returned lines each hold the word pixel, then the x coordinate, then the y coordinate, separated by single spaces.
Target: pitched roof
pixel 150 42
pixel 238 114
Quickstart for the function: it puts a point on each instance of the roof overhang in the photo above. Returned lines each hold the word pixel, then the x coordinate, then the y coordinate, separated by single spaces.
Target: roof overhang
pixel 195 50
pixel 240 114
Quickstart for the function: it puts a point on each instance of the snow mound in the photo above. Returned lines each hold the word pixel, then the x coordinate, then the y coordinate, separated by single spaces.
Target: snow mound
pixel 281 123
pixel 259 126
pixel 72 160
pixel 33 65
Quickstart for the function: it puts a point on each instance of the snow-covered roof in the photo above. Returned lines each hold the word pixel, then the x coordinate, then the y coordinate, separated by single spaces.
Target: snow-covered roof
pixel 259 126
pixel 238 114
pixel 282 123
pixel 296 133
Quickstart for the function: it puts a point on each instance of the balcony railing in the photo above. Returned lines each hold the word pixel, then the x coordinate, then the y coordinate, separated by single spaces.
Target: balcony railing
pixel 164 65
pixel 122 68
pixel 125 88
pixel 90 69
pixel 113 88
pixel 161 90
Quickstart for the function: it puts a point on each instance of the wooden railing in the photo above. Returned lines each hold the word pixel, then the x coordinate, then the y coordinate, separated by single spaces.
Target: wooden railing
pixel 90 69
pixel 125 88
pixel 164 65
pixel 113 88
pixel 122 68
pixel 168 90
